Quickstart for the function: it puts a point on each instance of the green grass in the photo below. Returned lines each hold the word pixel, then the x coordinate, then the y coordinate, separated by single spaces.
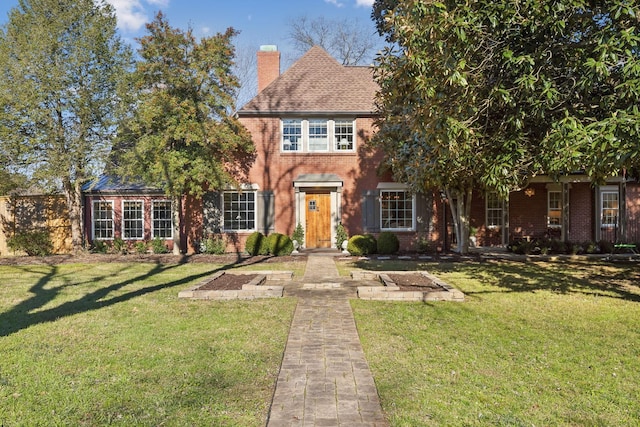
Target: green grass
pixel 112 344
pixel 534 344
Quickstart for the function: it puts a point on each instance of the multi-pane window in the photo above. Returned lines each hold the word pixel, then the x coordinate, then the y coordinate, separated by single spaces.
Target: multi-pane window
pixel 161 219
pixel 343 133
pixel 554 214
pixel 495 210
pixel 318 135
pixel 102 220
pixel 396 210
pixel 291 135
pixel 132 220
pixel 239 210
pixel 610 207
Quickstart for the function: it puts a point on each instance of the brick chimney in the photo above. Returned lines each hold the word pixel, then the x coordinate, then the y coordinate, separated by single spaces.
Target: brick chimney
pixel 268 65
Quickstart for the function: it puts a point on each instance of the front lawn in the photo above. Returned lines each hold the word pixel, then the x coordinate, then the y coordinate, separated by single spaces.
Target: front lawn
pixel 96 344
pixel 534 344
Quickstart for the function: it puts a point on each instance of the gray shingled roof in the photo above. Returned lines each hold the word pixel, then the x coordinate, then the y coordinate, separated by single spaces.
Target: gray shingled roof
pixel 317 83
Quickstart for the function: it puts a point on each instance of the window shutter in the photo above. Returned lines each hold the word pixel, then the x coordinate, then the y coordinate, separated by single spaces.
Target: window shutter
pixel 265 214
pixel 212 212
pixel 370 211
pixel 424 212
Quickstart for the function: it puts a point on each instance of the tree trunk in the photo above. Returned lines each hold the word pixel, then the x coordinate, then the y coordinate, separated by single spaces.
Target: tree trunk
pixel 177 225
pixel 73 195
pixel 460 204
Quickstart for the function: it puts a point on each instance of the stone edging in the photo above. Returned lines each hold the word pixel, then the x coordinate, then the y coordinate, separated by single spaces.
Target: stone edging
pixel 389 291
pixel 256 288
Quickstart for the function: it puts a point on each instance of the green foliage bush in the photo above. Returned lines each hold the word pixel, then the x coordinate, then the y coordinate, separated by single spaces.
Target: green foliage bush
pixel 341 235
pixel 362 244
pixel 388 243
pixel 255 242
pixel 34 243
pixel 99 247
pixel 279 244
pixel 298 235
pixel 141 247
pixel 158 246
pixel 213 245
pixel 119 245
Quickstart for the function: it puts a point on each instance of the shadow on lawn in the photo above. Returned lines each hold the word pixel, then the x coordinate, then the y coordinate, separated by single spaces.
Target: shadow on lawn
pixel 29 312
pixel 598 279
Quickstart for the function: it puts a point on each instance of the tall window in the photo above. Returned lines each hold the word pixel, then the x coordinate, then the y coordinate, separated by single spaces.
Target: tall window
pixel 132 219
pixel 291 135
pixel 239 210
pixel 554 213
pixel 343 131
pixel 495 210
pixel 161 219
pixel 396 210
pixel 609 208
pixel 318 135
pixel 102 220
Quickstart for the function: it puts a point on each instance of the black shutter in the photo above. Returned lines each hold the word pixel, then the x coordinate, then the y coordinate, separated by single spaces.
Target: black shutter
pixel 370 211
pixel 265 212
pixel 212 212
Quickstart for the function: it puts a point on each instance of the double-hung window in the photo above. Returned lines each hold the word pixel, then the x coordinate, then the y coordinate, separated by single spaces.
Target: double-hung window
pixel 609 207
pixel 318 135
pixel 292 135
pixel 162 219
pixel 102 220
pixel 495 210
pixel 343 134
pixel 554 214
pixel 239 210
pixel 132 219
pixel 397 209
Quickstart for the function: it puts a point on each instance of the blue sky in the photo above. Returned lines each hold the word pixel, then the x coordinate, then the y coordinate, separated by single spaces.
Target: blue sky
pixel 260 21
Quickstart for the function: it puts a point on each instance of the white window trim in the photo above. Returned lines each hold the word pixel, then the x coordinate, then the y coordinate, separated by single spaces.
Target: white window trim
pixel 549 225
pixel 255 213
pixel 123 220
pixel 93 220
pixel 608 189
pixel 486 212
pixel 387 188
pixel 332 144
pixel 153 228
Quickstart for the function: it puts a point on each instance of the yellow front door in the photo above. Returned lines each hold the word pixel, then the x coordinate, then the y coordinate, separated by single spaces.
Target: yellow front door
pixel 318 215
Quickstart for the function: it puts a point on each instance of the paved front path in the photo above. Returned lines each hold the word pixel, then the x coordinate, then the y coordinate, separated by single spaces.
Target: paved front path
pixel 324 379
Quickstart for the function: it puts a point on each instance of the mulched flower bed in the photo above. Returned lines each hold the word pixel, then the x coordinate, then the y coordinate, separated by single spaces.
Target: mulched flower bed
pixel 228 282
pixel 414 282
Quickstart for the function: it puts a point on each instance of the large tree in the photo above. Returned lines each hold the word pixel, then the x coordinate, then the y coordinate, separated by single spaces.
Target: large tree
pixel 182 135
pixel 60 63
pixel 486 94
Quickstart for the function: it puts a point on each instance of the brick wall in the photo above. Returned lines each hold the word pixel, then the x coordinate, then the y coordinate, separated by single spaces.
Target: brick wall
pixel 633 212
pixel 581 213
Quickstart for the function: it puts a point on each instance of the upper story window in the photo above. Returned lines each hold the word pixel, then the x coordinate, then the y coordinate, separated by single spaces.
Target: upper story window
pixel 291 135
pixel 239 210
pixel 102 220
pixel 162 219
pixel 318 135
pixel 397 209
pixel 132 219
pixel 495 210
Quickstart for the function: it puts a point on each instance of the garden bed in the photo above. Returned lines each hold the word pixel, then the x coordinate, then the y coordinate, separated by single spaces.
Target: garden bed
pixel 406 286
pixel 227 286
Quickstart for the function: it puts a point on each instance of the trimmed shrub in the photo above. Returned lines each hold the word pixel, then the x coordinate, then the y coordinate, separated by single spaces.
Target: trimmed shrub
pixel 341 235
pixel 158 246
pixel 279 244
pixel 213 245
pixel 388 243
pixel 254 243
pixel 298 235
pixel 34 243
pixel 362 244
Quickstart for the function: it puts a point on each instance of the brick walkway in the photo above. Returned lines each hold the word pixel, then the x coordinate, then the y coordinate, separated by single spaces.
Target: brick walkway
pixel 324 379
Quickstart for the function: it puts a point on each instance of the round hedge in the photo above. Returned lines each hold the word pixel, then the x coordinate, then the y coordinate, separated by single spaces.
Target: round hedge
pixel 279 245
pixel 388 243
pixel 362 244
pixel 254 243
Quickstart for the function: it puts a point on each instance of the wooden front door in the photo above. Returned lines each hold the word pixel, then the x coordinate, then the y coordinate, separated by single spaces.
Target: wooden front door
pixel 318 215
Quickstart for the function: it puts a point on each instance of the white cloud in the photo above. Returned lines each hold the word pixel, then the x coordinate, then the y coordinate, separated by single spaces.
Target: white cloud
pixel 132 14
pixel 335 3
pixel 364 3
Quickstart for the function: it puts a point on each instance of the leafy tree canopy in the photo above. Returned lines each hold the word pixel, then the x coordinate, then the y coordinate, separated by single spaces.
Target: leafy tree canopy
pixel 489 93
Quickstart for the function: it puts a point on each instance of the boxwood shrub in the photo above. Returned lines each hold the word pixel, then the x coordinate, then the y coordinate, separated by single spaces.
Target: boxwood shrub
pixel 279 245
pixel 388 243
pixel 362 244
pixel 254 243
